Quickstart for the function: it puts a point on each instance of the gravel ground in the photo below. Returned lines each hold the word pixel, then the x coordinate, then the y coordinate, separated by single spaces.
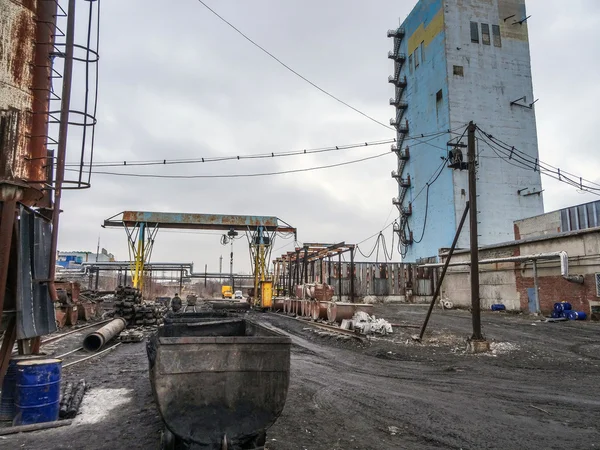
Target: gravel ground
pixel 536 389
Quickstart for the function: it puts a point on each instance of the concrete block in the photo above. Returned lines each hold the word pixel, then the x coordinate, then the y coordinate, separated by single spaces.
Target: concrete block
pixel 474 346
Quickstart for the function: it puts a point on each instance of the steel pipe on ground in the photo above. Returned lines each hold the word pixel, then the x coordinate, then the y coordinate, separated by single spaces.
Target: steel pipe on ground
pixel 336 312
pixel 96 340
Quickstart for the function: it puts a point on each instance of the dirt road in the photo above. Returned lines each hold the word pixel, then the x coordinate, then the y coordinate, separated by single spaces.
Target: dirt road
pixel 536 390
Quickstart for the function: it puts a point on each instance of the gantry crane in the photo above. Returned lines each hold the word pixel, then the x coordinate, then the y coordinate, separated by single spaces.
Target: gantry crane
pixel 142 226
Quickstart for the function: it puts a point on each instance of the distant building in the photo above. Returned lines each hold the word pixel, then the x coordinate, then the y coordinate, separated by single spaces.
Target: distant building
pixel 71 260
pixel 454 62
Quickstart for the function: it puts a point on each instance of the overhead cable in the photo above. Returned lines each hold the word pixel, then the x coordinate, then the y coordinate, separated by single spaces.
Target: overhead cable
pixel 239 175
pixel 522 160
pixel 267 155
pixel 271 55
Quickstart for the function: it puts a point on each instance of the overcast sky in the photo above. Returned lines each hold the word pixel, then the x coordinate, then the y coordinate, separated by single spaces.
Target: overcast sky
pixel 176 82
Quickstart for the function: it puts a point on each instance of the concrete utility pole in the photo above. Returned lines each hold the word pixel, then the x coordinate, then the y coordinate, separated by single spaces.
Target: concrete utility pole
pixel 477 342
pixel 220 268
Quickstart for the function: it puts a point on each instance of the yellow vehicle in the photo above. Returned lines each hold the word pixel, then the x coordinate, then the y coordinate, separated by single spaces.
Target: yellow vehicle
pixel 226 291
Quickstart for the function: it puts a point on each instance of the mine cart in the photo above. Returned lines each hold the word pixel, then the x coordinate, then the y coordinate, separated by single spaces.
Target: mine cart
pixel 218 383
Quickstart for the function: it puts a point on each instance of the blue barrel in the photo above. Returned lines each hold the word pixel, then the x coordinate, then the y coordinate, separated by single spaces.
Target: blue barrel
pixel 577 315
pixel 498 307
pixel 9 386
pixel 555 314
pixel 38 391
pixel 564 314
pixel 562 306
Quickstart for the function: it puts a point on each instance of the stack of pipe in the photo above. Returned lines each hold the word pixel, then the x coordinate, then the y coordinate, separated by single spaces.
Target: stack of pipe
pixel 70 399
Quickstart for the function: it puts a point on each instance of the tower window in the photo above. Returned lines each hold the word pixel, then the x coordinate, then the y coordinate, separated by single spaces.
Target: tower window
pixel 496 34
pixel 410 63
pixel 459 71
pixel 416 57
pixel 438 96
pixel 423 52
pixel 475 32
pixel 485 34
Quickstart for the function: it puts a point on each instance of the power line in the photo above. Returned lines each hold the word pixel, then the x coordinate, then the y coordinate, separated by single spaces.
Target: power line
pixel 521 160
pixel 539 162
pixel 163 161
pixel 270 155
pixel 431 180
pixel 264 50
pixel 240 175
pixel 427 186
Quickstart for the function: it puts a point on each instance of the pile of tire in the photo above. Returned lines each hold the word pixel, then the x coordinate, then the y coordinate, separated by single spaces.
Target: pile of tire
pixel 128 305
pixel 147 315
pixel 126 298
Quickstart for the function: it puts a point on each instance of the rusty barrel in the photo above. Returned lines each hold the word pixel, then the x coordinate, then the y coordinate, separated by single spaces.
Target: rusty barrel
pixel 278 304
pixel 308 308
pixel 336 312
pixel 303 307
pixel 294 307
pixel 319 310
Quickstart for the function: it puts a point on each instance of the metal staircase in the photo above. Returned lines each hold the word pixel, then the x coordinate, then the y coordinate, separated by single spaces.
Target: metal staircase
pixel 399 121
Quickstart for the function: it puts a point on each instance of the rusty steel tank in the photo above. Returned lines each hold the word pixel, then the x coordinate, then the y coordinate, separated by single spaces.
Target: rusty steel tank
pixel 26 38
pixel 336 311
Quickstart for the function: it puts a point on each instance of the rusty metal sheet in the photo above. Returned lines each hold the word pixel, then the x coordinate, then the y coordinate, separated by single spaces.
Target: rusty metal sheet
pixel 197 221
pixel 19 163
pixel 35 310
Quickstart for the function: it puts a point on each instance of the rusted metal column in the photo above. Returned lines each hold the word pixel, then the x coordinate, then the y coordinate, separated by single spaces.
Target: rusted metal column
pixel 289 283
pixel 10 335
pixel 305 265
pixel 352 274
pixel 340 276
pixel 62 141
pixel 329 270
pixel 41 159
pixel 297 262
pixel 7 222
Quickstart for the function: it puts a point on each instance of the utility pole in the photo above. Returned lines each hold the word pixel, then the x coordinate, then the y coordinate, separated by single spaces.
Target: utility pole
pixel 220 269
pixel 231 234
pixel 477 342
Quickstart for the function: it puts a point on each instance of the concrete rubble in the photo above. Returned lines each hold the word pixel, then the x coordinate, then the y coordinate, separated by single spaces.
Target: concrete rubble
pixel 367 324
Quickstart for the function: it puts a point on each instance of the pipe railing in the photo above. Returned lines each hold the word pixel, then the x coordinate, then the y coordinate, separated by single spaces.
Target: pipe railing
pixel 562 255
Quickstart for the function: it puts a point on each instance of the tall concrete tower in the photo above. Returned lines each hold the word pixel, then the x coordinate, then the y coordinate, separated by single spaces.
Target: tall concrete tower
pixel 457 61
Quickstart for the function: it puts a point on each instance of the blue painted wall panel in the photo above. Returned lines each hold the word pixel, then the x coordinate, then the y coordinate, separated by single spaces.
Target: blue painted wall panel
pixel 427 114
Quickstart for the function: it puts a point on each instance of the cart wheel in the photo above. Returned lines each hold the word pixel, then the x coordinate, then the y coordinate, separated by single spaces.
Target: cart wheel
pixel 167 440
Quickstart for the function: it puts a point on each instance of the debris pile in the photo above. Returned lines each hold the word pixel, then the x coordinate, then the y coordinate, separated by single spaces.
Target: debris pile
pixel 133 335
pixel 367 324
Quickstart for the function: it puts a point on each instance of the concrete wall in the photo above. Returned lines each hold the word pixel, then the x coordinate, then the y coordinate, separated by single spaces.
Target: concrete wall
pixel 508 283
pixel 578 217
pixel 541 225
pixel 497 282
pixel 492 78
pixel 425 43
pixel 438 99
